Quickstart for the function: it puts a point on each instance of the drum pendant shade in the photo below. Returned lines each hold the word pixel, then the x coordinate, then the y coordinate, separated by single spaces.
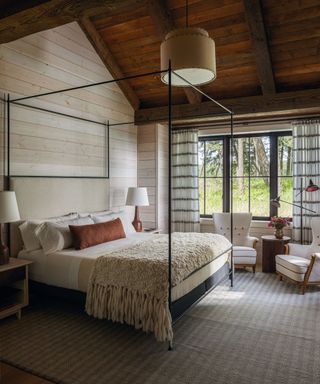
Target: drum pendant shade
pixel 192 55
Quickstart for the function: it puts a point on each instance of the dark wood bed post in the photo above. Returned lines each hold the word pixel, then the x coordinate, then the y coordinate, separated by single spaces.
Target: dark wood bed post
pixel 169 193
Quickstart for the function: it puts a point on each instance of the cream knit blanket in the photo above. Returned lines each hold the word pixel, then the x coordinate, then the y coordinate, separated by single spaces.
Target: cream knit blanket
pixel 131 285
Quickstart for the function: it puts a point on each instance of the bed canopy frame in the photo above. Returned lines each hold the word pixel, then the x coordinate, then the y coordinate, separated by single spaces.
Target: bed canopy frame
pixel 20 101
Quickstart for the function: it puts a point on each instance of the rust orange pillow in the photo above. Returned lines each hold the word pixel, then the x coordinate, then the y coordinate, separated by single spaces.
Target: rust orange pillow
pixel 85 236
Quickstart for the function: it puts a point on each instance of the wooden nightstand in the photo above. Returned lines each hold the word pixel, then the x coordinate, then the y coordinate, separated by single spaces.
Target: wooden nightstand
pixel 14 287
pixel 271 246
pixel 152 230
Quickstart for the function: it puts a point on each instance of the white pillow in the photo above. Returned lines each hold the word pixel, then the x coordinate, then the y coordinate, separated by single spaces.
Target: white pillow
pixel 54 237
pixel 98 213
pixel 126 222
pixel 29 238
pixel 27 229
pixel 127 225
pixel 62 219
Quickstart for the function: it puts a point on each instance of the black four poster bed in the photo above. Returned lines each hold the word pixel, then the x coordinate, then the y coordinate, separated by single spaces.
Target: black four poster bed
pixel 180 305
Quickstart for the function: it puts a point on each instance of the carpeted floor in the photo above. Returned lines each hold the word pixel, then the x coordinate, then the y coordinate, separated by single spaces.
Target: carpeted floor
pixel 262 331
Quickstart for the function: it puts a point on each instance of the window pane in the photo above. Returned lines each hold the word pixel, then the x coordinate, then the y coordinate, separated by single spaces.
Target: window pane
pixel 201 158
pixel 285 186
pixel 260 196
pixel 214 158
pixel 240 157
pixel 214 193
pixel 201 196
pixel 260 156
pixel 240 194
pixel 285 155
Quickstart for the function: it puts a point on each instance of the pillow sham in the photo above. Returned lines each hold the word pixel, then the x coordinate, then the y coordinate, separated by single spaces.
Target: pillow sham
pixel 98 213
pixel 127 225
pixel 29 238
pixel 55 237
pixel 28 230
pixel 85 236
pixel 62 219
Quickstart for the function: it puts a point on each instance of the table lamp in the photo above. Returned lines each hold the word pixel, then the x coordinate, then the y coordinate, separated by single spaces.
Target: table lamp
pixel 137 197
pixel 9 213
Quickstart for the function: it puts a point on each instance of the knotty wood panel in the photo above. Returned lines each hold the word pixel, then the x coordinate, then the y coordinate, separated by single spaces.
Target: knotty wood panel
pixel 47 144
pixel 294 35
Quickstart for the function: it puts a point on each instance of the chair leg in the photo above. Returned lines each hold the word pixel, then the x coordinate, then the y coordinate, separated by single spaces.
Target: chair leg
pixel 307 275
pixel 280 277
pixel 303 288
pixel 254 268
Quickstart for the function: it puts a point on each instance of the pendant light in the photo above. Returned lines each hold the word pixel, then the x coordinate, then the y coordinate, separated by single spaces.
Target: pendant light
pixel 192 55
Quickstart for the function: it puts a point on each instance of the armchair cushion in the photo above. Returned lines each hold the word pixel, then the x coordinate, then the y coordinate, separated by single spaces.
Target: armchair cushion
pixel 244 251
pixel 244 255
pixel 250 241
pixel 294 267
pixel 300 250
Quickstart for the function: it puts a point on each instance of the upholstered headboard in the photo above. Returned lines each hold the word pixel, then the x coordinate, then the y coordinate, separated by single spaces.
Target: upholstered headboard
pixel 40 198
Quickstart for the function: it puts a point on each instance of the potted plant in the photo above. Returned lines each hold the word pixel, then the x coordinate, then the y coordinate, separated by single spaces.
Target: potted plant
pixel 278 223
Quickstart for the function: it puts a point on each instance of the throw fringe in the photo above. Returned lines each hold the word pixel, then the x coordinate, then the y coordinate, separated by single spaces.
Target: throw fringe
pixel 132 307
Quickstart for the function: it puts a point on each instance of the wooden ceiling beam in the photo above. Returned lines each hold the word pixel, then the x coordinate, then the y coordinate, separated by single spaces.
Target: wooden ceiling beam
pixel 163 23
pixel 107 58
pixel 254 16
pixel 35 15
pixel 295 102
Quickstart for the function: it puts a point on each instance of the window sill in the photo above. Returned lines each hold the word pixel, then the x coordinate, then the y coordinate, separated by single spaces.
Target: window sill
pixel 254 224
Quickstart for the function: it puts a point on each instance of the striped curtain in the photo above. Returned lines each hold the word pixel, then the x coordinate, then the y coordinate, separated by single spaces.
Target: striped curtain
pixel 306 166
pixel 185 191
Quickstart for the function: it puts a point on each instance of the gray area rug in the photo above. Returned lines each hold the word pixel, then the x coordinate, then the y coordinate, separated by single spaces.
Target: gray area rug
pixel 261 331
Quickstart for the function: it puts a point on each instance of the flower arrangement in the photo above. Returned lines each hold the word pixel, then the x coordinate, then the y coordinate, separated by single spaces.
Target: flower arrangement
pixel 278 222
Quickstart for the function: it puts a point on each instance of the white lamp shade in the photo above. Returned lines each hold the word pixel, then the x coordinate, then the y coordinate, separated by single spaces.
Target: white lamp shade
pixel 137 197
pixel 192 55
pixel 9 211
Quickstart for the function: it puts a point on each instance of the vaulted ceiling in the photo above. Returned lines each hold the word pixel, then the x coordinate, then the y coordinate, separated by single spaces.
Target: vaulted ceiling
pixel 268 52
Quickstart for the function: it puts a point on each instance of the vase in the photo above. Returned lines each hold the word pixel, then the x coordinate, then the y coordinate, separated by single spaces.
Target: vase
pixel 278 233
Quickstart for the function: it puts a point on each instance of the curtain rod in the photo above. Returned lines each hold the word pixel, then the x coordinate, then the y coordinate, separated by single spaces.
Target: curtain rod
pixel 245 122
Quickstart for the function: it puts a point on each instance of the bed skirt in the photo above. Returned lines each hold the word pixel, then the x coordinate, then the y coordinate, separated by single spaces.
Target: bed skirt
pixel 178 307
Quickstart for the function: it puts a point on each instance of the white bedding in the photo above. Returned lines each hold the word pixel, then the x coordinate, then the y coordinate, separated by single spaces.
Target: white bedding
pixel 61 269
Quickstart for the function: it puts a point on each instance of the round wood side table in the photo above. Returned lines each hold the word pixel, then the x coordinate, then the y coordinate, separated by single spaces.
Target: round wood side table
pixel 271 246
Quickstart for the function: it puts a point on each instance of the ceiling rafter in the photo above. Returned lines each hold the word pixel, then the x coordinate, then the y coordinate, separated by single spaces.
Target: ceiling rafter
pixel 254 16
pixel 107 58
pixel 163 23
pixel 294 102
pixel 18 21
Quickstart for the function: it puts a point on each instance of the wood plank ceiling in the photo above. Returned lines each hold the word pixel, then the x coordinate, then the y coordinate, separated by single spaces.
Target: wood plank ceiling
pixel 135 45
pixel 263 48
pixel 268 52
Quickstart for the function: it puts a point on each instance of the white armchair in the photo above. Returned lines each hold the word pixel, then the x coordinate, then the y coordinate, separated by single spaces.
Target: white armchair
pixel 244 245
pixel 301 263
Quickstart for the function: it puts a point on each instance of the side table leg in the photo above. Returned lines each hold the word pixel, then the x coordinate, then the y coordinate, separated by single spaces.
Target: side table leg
pixel 18 314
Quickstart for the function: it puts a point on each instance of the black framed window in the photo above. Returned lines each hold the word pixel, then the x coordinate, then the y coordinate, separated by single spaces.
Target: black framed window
pixel 260 168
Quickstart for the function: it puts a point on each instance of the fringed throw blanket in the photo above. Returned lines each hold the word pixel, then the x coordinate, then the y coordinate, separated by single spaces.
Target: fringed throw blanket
pixel 131 285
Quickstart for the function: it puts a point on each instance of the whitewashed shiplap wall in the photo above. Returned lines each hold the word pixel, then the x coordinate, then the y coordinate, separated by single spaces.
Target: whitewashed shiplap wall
pixel 162 177
pixel 153 173
pixel 147 171
pixel 47 144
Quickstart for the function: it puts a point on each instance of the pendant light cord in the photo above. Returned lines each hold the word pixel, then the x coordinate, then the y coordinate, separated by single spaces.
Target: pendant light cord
pixel 187 14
